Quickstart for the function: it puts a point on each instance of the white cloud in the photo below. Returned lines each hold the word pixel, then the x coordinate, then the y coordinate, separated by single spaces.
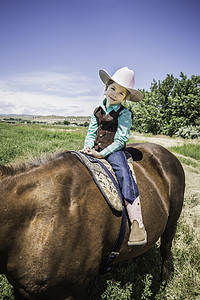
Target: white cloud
pixel 49 93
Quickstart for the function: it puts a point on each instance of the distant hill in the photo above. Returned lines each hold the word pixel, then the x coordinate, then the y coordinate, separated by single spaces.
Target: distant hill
pixel 45 119
pixel 16 116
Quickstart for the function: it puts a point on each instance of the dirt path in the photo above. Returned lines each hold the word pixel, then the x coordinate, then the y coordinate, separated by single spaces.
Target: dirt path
pixel 191 209
pixel 158 139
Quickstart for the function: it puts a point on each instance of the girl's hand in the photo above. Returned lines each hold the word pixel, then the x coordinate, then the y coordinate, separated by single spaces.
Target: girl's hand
pixel 92 152
pixel 85 150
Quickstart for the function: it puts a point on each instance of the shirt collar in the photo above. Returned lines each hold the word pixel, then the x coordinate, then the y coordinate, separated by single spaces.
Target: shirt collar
pixel 114 107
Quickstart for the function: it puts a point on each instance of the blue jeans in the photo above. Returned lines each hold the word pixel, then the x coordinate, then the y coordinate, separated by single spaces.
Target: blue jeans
pixel 127 184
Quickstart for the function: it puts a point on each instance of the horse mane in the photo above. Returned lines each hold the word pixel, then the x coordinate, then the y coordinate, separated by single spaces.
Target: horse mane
pixel 17 168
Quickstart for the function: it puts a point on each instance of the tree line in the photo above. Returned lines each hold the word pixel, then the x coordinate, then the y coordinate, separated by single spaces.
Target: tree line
pixel 170 106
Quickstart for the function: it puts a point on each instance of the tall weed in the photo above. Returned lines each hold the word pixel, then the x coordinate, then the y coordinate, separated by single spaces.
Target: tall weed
pixel 185 283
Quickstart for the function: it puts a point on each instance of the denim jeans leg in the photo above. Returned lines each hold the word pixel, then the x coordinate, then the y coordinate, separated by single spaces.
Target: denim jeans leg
pixel 125 179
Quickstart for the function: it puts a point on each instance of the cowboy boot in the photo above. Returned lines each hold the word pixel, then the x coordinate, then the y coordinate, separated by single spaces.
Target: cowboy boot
pixel 138 235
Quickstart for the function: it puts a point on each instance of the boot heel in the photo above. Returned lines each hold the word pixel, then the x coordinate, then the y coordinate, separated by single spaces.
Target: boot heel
pixel 138 236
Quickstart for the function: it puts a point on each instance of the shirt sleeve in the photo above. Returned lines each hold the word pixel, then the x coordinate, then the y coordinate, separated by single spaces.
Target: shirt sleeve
pixel 91 134
pixel 122 133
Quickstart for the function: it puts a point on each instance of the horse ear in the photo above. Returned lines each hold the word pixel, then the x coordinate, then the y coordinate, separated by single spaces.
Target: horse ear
pixel 1 171
pixel 5 171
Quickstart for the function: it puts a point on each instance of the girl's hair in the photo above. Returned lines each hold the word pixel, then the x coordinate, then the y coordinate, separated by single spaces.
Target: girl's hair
pixel 110 81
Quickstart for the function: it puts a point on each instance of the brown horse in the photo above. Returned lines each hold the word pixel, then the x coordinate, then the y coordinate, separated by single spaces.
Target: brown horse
pixel 56 227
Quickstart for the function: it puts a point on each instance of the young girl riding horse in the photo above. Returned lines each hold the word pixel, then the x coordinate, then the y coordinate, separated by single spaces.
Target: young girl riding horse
pixel 108 133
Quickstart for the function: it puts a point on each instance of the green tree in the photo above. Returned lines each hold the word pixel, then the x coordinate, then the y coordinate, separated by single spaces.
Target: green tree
pixel 66 122
pixel 171 104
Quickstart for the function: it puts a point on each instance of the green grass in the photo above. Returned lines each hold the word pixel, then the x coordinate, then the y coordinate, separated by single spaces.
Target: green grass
pixel 132 141
pixel 19 141
pixel 190 150
pixel 185 283
pixel 189 162
pixel 135 279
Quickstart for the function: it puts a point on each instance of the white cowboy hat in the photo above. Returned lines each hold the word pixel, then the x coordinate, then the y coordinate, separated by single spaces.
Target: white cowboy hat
pixel 125 78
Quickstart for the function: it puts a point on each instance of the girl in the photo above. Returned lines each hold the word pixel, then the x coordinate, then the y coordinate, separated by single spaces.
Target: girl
pixel 107 135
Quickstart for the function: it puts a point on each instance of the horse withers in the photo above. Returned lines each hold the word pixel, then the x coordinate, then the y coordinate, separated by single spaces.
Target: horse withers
pixel 56 227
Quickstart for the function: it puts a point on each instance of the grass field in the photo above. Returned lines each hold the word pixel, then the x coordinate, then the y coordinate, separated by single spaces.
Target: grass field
pixel 191 150
pixel 25 141
pixel 136 279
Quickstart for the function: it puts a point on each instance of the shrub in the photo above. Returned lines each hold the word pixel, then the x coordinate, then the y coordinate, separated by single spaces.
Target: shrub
pixel 190 132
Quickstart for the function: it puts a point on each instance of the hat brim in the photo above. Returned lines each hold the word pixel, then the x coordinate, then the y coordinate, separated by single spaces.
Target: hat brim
pixel 135 95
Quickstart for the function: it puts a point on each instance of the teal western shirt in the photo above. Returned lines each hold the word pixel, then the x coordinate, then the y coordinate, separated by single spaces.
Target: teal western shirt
pixel 122 133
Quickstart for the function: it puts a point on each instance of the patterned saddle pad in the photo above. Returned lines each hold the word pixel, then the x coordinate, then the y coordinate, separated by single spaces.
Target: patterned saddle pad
pixel 104 177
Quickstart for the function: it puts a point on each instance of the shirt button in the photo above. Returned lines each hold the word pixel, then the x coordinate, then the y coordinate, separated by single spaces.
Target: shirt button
pixel 99 144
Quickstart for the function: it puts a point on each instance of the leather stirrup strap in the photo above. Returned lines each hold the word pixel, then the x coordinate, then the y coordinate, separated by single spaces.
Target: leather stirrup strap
pixel 105 266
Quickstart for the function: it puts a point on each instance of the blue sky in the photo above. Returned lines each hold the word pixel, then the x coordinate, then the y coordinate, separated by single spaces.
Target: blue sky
pixel 51 50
